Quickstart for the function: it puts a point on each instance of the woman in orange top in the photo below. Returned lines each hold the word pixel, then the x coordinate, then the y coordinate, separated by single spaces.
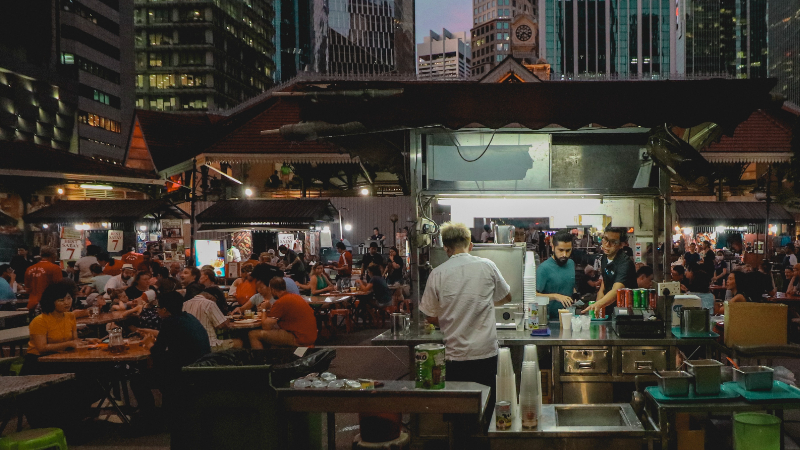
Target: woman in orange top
pixel 245 287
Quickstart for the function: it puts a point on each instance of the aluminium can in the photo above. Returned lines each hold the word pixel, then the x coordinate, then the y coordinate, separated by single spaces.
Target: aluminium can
pixel 430 370
pixel 502 413
pixel 652 299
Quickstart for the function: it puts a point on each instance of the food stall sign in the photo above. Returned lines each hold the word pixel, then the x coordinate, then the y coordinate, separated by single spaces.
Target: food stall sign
pixel 637 252
pixel 71 249
pixel 114 241
pixel 286 239
pixel 208 252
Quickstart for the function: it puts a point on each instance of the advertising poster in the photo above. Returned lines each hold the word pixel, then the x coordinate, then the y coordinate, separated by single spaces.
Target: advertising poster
pixel 114 241
pixel 171 228
pixel 286 239
pixel 174 249
pixel 210 253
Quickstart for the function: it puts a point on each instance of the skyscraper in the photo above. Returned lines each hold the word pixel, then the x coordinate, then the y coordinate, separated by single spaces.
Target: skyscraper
pixel 292 37
pixel 444 56
pixel 609 38
pixel 202 55
pixel 96 51
pixel 491 33
pixel 726 37
pixel 784 47
pixel 363 36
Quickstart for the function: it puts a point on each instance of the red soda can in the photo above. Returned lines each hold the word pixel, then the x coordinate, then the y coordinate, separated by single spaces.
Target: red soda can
pixel 627 298
pixel 652 299
pixel 600 314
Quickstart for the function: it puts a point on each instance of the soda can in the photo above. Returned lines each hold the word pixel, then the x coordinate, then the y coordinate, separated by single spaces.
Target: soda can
pixel 600 314
pixel 652 299
pixel 637 298
pixel 625 298
pixel 591 313
pixel 502 413
pixel 430 370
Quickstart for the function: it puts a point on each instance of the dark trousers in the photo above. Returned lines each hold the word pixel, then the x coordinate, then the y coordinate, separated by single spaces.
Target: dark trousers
pixel 483 371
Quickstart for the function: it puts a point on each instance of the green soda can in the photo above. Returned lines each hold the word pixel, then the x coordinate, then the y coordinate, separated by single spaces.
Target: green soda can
pixel 591 313
pixel 637 298
pixel 430 368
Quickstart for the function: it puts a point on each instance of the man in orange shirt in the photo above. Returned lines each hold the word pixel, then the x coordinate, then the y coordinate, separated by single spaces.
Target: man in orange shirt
pixel 132 258
pixel 40 275
pixel 109 264
pixel 290 322
pixel 344 268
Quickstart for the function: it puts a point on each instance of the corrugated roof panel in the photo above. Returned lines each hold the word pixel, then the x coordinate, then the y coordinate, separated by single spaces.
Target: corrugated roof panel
pixel 729 213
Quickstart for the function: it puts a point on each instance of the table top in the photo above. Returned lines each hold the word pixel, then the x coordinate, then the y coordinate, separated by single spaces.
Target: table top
pixel 101 319
pixel 720 406
pixel 12 386
pixel 326 299
pixel 85 355
pixel 14 334
pixel 714 287
pixel 787 298
pixel 247 326
pixel 4 314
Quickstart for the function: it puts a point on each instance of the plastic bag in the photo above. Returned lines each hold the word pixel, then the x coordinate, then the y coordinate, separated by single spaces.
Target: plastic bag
pixel 318 362
pixel 785 375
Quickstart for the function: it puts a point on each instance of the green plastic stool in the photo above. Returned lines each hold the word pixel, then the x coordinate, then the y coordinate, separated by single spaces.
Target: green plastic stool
pixel 38 439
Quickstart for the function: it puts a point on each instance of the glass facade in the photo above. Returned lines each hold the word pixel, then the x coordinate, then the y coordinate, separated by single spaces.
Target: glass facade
pixel 784 47
pixel 626 38
pixel 490 47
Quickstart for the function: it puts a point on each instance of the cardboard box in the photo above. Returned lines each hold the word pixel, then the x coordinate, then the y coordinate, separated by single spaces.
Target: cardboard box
pixel 755 324
pixel 691 439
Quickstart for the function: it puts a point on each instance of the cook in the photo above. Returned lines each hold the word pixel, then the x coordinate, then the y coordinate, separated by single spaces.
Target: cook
pixel 555 278
pixel 460 297
pixel 617 270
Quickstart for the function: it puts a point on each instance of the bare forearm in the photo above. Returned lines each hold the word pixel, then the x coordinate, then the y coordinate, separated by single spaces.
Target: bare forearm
pixel 503 300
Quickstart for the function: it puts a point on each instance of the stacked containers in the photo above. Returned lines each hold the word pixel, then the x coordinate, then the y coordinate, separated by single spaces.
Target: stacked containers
pixel 529 395
pixel 529 283
pixel 506 381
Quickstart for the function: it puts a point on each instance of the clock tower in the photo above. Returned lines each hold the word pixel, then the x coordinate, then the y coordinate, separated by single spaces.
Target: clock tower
pixel 525 37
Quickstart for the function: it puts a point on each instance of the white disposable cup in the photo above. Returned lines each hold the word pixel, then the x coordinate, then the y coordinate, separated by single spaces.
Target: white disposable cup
pixel 519 321
pixel 566 320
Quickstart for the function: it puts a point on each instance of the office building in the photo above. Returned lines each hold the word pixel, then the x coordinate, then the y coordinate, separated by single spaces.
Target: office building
pixel 607 38
pixel 784 47
pixel 491 33
pixel 728 37
pixel 96 50
pixel 363 37
pixel 202 55
pixel 292 38
pixel 445 56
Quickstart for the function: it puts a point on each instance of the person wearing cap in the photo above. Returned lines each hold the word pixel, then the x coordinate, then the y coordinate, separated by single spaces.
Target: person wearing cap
pixel 373 258
pixel 123 280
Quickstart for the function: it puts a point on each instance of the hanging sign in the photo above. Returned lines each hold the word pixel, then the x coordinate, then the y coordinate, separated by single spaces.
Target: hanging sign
pixel 637 252
pixel 71 249
pixel 114 241
pixel 286 239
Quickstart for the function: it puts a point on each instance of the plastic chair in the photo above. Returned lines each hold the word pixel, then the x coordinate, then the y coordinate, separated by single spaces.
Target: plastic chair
pixel 341 313
pixel 37 439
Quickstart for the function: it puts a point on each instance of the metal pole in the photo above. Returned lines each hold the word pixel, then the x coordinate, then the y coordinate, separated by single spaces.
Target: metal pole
pixel 192 200
pixel 766 229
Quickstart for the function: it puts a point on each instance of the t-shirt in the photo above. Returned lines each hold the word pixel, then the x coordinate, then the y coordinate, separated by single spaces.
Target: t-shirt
pixel 291 286
pixel 487 237
pixel 134 292
pixel 295 315
pixel 244 291
pixel 257 299
pixel 345 261
pixel 689 258
pixel 208 314
pixel 620 270
pixel 114 270
pixel 554 279
pixel 20 264
pixel 56 329
pixel 181 341
pixel 6 293
pixel 38 277
pixel 116 282
pixel 99 283
pixel 289 258
pixel 369 260
pixel 461 292
pixel 395 275
pixel 83 266
pixel 381 290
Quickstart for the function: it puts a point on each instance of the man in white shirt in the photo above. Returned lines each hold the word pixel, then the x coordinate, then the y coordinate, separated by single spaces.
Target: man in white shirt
pixel 460 297
pixel 123 280
pixel 83 265
pixel 204 308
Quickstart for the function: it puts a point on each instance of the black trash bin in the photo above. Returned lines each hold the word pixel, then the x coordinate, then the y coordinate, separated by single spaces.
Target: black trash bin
pixel 227 400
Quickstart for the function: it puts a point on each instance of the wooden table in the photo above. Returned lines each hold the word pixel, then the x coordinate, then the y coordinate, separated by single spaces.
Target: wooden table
pixel 13 386
pixel 328 299
pixel 15 336
pixel 787 298
pixel 102 318
pixel 15 317
pixel 247 326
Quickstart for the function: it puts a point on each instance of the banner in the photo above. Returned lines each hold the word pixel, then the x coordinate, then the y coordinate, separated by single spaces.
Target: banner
pixel 171 228
pixel 114 241
pixel 173 249
pixel 71 249
pixel 286 239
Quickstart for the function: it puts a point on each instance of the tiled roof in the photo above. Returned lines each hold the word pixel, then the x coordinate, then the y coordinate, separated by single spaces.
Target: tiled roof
pixel 68 211
pixel 692 213
pixel 24 156
pixel 173 138
pixel 763 131
pixel 266 213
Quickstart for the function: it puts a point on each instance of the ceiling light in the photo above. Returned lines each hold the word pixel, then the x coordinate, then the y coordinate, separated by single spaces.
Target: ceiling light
pixel 96 186
pixel 60 191
pixel 248 192
pixel 348 227
pixel 364 191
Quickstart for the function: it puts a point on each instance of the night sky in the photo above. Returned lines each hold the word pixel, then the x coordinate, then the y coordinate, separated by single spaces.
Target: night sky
pixel 455 15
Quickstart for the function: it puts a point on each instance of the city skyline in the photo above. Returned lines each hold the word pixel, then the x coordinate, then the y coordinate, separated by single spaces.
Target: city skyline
pixel 455 15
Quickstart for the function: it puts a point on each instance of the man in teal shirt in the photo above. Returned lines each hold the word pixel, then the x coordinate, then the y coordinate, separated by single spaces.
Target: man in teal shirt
pixel 555 278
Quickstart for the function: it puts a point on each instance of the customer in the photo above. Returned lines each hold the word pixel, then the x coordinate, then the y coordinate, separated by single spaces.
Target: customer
pixel 320 283
pixel 190 280
pixel 764 273
pixel 373 258
pixel 110 265
pixel 292 264
pixel 699 284
pixel 174 269
pixel 380 296
pixel 209 281
pixel 140 285
pixel 644 277
pixel 720 269
pixel 692 255
pixel 290 321
pixel 204 308
pixel 708 257
pixel 394 267
pixel 55 330
pixel 460 297
pixel 244 287
pixel 678 273
pixel 22 260
pixel 123 280
pixel 617 270
pixel 41 275
pixel 555 277
pixel 745 287
pixel 788 274
pixel 266 272
pixel 794 283
pixel 790 260
pixel 83 265
pixel 344 268
pixel 98 281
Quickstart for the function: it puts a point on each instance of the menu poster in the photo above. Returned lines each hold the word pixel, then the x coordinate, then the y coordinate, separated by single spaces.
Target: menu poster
pixel 210 253
pixel 286 239
pixel 114 241
pixel 70 233
pixel 71 249
pixel 171 228
pixel 233 269
pixel 174 249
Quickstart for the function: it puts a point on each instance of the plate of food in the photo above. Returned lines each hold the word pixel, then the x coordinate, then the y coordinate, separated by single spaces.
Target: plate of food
pixel 246 321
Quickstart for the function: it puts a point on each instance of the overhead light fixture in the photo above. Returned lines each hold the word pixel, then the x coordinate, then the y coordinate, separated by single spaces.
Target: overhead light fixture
pixel 364 191
pixel 326 229
pixel 60 191
pixel 348 227
pixel 248 192
pixel 143 228
pixel 96 186
pixel 105 224
pixel 45 226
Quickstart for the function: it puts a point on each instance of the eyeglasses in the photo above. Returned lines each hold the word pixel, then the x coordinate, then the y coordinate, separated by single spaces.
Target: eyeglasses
pixel 610 241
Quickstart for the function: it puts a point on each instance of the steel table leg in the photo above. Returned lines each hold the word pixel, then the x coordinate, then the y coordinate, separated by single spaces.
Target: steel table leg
pixel 331 431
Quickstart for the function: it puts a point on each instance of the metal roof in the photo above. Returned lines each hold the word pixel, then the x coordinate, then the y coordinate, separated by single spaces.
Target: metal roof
pixel 691 213
pixel 69 211
pixel 266 214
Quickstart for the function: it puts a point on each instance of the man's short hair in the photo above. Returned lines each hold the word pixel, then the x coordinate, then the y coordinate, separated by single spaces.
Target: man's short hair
pixel 373 244
pixel 47 252
pixel 210 274
pixel 282 248
pixel 104 256
pixel 679 269
pixel 623 233
pixel 264 273
pixel 195 273
pixel 171 301
pixel 95 268
pixel 644 271
pixel 562 236
pixel 277 284
pixel 375 229
pixel 455 235
pixel 340 245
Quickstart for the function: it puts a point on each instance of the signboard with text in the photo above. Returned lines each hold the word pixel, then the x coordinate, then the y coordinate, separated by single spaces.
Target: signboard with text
pixel 114 241
pixel 71 249
pixel 286 239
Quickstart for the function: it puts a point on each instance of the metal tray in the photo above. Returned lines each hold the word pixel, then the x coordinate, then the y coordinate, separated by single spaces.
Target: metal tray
pixel 676 331
pixel 725 394
pixel 754 378
pixel 674 383
pixel 780 392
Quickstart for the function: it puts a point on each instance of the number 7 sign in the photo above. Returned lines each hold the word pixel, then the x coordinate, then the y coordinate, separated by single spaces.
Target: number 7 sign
pixel 114 240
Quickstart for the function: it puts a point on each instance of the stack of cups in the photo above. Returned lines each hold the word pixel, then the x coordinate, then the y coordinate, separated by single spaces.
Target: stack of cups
pixel 531 354
pixel 529 282
pixel 529 396
pixel 506 381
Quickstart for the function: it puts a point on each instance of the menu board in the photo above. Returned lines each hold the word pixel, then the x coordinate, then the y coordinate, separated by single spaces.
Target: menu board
pixel 207 252
pixel 171 228
pixel 71 249
pixel 286 239
pixel 114 241
pixel 174 249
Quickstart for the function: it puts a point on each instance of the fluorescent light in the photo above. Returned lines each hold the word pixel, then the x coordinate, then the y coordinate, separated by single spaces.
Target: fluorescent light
pixel 348 227
pixel 96 186
pixel 45 226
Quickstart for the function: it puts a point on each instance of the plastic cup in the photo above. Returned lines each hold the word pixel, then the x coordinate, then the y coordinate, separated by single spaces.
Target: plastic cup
pixel 519 321
pixel 756 431
pixel 566 320
pixel 576 323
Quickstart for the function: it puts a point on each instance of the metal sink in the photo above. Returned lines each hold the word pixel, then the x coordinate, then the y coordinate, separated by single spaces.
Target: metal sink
pixel 592 416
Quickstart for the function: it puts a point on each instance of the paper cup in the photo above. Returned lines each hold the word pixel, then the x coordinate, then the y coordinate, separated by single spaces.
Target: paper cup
pixel 566 320
pixel 560 312
pixel 519 321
